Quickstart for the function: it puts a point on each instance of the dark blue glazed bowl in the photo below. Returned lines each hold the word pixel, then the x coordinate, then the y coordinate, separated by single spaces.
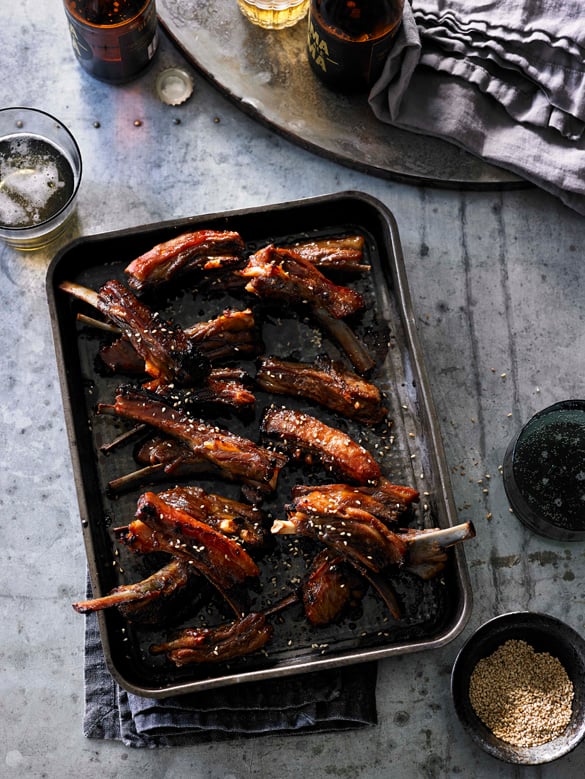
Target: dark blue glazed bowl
pixel 544 472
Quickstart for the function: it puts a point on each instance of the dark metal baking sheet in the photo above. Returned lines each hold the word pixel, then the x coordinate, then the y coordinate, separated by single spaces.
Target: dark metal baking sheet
pixel 266 73
pixel 410 451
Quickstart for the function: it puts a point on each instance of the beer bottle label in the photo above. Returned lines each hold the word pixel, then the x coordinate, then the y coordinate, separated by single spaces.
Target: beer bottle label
pixel 117 52
pixel 344 63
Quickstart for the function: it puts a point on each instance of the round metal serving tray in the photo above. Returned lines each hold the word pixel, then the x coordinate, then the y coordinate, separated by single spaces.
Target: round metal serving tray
pixel 267 74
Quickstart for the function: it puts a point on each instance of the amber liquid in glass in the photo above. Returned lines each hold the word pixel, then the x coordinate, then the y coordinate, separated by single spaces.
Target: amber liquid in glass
pixel 274 15
pixel 36 181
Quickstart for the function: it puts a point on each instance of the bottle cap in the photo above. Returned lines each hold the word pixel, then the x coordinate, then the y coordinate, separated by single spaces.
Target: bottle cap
pixel 174 85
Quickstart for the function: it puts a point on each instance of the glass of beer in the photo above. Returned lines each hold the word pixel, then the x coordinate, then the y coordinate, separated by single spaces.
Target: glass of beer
pixel 274 14
pixel 40 173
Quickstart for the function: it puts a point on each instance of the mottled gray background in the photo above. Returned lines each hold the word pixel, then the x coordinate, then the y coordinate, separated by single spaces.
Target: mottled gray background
pixel 496 279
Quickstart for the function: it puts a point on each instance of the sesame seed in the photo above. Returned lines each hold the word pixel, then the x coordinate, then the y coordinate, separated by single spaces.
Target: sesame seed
pixel 524 697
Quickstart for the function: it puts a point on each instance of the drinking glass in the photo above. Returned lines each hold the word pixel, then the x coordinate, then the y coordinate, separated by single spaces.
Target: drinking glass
pixel 274 14
pixel 40 173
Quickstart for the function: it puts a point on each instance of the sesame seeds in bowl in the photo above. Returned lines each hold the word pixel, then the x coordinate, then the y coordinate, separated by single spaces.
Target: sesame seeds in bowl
pixel 518 687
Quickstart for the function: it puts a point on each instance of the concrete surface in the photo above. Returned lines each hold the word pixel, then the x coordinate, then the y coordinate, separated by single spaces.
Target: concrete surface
pixel 497 281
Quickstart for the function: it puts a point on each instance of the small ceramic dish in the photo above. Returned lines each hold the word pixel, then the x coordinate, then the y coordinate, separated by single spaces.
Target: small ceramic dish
pixel 545 634
pixel 544 472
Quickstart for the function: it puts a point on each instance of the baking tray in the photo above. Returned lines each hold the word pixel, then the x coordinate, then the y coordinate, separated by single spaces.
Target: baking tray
pixel 410 450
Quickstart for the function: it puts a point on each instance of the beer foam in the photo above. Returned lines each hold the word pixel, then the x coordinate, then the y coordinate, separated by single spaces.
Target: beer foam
pixel 28 181
pixel 12 214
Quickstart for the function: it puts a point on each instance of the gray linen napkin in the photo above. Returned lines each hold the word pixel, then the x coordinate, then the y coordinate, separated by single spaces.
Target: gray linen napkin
pixel 388 92
pixel 331 700
pixel 502 79
pixel 528 55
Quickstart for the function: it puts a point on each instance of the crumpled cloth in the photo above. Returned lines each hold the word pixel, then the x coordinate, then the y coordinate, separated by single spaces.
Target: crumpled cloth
pixel 389 91
pixel 331 700
pixel 527 54
pixel 502 79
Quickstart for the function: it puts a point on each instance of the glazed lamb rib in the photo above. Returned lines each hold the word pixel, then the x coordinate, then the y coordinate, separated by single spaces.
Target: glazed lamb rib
pixel 332 587
pixel 233 335
pixel 163 457
pixel 197 251
pixel 327 383
pixel 146 335
pixel 215 553
pixel 223 387
pixel 141 538
pixel 168 458
pixel 282 274
pixel 371 546
pixel 168 354
pixel 234 457
pixel 344 254
pixel 133 600
pixel 375 551
pixel 298 432
pixel 218 644
pixel 386 501
pixel 159 527
pixel 245 523
pixel 238 638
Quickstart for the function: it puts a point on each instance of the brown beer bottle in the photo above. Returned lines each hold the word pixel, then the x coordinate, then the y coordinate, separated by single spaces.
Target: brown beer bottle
pixel 349 40
pixel 114 40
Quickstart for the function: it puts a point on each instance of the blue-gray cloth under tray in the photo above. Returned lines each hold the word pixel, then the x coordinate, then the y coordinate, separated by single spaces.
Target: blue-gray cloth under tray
pixel 335 699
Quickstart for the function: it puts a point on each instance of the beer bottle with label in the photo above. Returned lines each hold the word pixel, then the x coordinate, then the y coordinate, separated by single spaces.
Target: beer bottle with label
pixel 114 40
pixel 349 40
